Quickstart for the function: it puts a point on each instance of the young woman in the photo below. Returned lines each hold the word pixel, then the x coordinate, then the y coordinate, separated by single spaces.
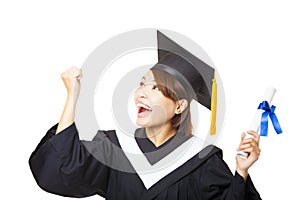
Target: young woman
pixel 64 165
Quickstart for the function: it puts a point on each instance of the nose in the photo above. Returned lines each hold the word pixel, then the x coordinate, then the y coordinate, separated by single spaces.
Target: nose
pixel 141 93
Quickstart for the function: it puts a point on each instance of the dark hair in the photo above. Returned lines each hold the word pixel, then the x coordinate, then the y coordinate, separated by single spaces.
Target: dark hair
pixel 173 90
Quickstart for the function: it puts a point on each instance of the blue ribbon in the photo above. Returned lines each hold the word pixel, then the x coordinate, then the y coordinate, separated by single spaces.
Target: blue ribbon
pixel 269 111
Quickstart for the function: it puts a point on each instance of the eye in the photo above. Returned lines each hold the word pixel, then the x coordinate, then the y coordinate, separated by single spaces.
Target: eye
pixel 155 87
pixel 142 84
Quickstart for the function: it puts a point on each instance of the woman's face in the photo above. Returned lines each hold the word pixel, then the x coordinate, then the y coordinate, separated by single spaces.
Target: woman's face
pixel 153 108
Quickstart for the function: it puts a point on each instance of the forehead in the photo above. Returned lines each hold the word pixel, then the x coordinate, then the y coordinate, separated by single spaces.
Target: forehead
pixel 148 77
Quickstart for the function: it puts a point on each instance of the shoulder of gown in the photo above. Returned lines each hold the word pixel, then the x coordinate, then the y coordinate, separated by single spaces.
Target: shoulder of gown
pixel 61 164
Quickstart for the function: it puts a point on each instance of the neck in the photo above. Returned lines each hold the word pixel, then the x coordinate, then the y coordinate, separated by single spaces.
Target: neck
pixel 159 135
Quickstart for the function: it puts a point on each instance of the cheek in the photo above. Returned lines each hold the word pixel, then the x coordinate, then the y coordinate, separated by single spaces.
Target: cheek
pixel 164 111
pixel 158 114
pixel 136 93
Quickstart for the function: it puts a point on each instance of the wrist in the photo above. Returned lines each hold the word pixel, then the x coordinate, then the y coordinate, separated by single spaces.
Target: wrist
pixel 242 172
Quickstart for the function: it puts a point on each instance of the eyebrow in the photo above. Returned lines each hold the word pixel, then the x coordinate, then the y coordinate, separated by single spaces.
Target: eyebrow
pixel 144 79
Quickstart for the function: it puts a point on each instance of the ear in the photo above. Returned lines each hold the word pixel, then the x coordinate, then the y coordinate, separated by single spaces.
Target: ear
pixel 181 105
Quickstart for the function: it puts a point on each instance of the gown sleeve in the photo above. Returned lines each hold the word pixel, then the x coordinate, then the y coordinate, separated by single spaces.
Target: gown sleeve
pixel 62 165
pixel 219 183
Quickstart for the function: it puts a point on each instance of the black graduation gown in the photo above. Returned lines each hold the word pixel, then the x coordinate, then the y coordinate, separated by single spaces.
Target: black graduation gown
pixel 61 164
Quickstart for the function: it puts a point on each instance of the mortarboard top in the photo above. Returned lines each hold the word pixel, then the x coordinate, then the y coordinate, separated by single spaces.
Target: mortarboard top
pixel 197 77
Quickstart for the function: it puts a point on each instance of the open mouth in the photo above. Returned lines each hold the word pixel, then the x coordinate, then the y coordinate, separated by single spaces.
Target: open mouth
pixel 143 110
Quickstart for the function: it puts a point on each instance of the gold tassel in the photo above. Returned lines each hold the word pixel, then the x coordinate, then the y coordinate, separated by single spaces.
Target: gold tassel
pixel 213 116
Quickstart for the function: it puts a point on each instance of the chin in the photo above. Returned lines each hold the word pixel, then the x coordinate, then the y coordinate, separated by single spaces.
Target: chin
pixel 142 124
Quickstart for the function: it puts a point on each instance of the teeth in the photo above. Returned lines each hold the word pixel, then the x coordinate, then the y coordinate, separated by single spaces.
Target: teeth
pixel 143 106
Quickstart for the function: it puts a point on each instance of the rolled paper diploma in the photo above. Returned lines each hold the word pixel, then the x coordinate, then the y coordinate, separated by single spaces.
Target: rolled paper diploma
pixel 255 125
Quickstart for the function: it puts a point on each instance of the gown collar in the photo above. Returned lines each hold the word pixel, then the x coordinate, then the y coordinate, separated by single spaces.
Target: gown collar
pixel 153 153
pixel 150 174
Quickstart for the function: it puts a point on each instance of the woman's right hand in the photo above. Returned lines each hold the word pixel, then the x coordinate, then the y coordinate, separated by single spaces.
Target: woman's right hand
pixel 71 78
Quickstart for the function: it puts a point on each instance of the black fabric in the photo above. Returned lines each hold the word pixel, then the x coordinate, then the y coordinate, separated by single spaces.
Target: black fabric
pixel 61 164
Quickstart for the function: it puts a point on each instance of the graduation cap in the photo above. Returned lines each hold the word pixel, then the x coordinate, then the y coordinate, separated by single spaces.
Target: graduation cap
pixel 197 77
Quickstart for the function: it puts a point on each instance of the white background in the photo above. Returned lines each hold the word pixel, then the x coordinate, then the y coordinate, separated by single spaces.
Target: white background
pixel 253 44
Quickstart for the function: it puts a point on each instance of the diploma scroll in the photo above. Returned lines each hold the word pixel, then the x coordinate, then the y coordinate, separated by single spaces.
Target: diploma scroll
pixel 255 124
